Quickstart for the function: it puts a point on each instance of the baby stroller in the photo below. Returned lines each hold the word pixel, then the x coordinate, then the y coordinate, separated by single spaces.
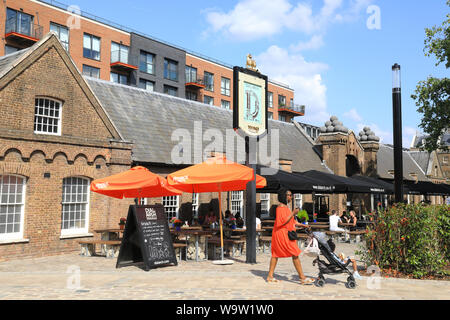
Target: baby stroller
pixel 335 266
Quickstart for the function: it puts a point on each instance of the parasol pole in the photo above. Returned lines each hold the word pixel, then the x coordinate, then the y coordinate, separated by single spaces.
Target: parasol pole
pixel 220 217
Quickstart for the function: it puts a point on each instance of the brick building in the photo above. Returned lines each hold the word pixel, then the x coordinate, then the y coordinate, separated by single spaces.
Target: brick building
pixel 112 52
pixel 55 137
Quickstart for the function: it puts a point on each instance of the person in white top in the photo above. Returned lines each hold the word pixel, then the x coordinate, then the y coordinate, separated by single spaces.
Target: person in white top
pixel 258 221
pixel 334 220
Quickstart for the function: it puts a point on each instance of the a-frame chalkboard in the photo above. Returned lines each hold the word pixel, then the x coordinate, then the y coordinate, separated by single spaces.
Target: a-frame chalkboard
pixel 146 239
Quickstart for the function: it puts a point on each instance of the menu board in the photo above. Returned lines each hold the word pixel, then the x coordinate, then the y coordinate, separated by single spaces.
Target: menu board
pixel 146 238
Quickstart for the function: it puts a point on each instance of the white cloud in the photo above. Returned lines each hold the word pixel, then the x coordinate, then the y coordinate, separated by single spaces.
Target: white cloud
pixel 314 43
pixel 304 77
pixel 353 114
pixel 256 19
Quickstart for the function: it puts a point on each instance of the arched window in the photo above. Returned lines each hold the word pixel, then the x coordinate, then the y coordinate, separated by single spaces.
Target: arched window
pixel 12 202
pixel 75 206
pixel 47 116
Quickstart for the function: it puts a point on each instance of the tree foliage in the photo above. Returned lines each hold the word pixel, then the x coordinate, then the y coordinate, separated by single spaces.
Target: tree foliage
pixel 433 95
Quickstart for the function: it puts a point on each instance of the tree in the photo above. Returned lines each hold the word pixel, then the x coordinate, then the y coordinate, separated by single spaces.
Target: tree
pixel 433 95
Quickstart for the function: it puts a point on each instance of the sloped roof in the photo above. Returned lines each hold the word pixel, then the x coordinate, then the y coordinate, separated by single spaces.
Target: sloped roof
pixel 8 61
pixel 385 162
pixel 422 158
pixel 149 119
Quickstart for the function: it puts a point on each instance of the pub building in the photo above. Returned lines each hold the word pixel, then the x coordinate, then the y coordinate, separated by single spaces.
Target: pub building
pixel 60 130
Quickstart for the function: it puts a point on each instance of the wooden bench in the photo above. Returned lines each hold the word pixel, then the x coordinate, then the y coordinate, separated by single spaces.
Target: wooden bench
pixel 264 240
pixel 233 243
pixel 335 235
pixel 355 236
pixel 109 247
pixel 179 246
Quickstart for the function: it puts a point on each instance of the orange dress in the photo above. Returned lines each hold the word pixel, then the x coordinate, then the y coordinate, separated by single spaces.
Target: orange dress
pixel 282 247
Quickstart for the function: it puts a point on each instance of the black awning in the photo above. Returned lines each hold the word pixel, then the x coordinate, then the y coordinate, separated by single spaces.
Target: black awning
pixel 386 186
pixel 427 188
pixel 344 184
pixel 294 182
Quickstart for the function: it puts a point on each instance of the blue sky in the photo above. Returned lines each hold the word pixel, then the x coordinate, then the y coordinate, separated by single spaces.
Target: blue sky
pixel 336 54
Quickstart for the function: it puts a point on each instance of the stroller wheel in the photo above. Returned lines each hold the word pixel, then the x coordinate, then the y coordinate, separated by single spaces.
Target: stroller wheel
pixel 351 284
pixel 319 282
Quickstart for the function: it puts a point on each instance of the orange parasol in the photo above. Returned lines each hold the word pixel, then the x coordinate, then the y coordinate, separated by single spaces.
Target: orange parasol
pixel 215 175
pixel 138 182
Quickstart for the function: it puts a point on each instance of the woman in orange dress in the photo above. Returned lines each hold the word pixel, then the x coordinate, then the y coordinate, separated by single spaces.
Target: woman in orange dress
pixel 282 247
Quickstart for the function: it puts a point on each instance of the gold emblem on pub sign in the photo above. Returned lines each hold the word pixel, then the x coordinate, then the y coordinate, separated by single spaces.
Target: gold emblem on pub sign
pixel 251 64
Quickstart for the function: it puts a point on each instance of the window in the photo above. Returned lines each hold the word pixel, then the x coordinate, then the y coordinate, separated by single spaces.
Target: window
pixel 445 160
pixel 281 101
pixel 147 85
pixel 190 95
pixel 171 205
pixel 270 114
pixel 209 81
pixel 298 200
pixel 237 202
pixel 170 69
pixel 308 131
pixel 62 32
pixel 225 86
pixel 191 74
pixel 265 203
pixel 270 100
pixel 47 116
pixel 75 206
pixel 17 21
pixel 9 49
pixel 282 118
pixel 170 90
pixel 91 71
pixel 119 52
pixel 292 103
pixel 225 104
pixel 118 78
pixel 208 100
pixel 195 205
pixel 91 47
pixel 147 62
pixel 12 200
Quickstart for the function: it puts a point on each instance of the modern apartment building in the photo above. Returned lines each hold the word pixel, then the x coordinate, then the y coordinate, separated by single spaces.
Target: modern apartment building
pixel 109 51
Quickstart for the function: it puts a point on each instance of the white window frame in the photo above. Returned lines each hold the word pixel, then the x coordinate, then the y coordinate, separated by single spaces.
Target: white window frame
pixel 195 205
pixel 57 28
pixel 298 200
pixel 171 202
pixel 237 202
pixel 13 235
pixel 225 104
pixel 85 203
pixel 265 204
pixel 225 84
pixel 37 109
pixel 270 103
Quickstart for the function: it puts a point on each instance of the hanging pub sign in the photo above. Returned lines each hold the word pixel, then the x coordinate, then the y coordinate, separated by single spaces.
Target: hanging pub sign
pixel 250 101
pixel 146 238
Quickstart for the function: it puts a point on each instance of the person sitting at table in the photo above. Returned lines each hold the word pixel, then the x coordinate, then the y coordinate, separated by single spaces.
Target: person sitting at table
pixel 352 220
pixel 258 220
pixel 210 217
pixel 344 217
pixel 334 220
pixel 228 218
pixel 239 220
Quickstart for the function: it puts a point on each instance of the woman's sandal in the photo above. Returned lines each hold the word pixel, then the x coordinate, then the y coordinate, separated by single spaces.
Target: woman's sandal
pixel 307 281
pixel 272 280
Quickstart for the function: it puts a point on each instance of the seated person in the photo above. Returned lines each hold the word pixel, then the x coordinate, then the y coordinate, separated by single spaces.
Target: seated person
pixel 258 220
pixel 344 217
pixel 210 218
pixel 239 220
pixel 228 220
pixel 352 220
pixel 344 260
pixel 334 220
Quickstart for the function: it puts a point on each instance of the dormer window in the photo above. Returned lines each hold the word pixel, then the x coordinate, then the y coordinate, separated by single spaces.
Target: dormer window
pixel 47 116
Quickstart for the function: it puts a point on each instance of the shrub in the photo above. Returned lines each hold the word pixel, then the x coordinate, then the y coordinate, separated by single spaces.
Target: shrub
pixel 410 239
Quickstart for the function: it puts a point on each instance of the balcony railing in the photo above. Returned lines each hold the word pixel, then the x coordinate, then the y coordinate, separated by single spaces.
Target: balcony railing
pixel 294 108
pixel 119 60
pixel 23 29
pixel 195 82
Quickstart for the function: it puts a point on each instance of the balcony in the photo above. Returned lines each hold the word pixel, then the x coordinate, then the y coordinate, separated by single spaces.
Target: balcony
pixel 292 110
pixel 119 61
pixel 22 34
pixel 194 83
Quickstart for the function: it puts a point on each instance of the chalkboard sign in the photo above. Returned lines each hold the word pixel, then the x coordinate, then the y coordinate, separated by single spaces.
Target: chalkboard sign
pixel 146 238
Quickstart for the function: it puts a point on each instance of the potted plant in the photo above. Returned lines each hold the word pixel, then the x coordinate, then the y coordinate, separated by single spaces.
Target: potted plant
pixel 177 223
pixel 233 223
pixel 302 215
pixel 315 217
pixel 122 223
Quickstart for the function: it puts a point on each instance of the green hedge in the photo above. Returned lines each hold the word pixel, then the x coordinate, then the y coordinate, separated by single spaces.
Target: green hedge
pixel 410 239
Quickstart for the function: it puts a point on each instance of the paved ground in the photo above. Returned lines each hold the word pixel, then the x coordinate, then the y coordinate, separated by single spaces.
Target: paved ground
pixel 75 277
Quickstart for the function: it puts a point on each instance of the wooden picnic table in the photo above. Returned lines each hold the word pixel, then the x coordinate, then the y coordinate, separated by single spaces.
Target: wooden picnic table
pixel 197 233
pixel 110 233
